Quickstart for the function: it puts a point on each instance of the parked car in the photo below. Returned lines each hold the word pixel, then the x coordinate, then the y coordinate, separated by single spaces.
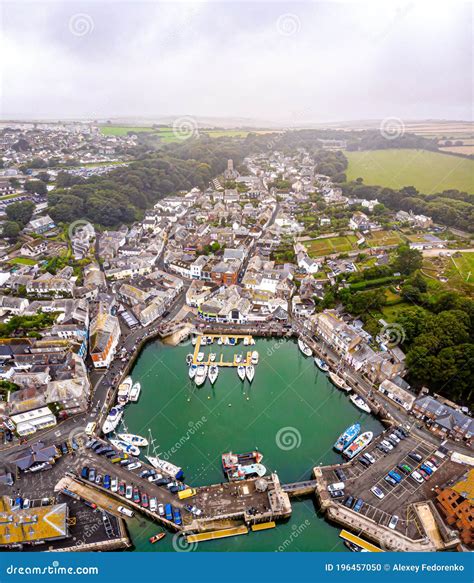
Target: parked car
pixel 387 444
pixel 399 434
pixel 26 503
pixel 358 505
pixel 393 522
pixel 153 504
pixel 85 472
pixel 107 481
pixel 134 466
pixel 417 477
pixel 365 462
pixel 392 442
pixel 424 474
pixel 64 448
pixel 114 485
pixel 382 448
pixel 394 437
pixel 405 468
pixel 377 491
pixel 336 486
pixel 369 457
pixel 91 476
pixel 431 465
pixel 155 478
pixel 163 481
pixel 349 501
pixel 390 480
pixel 98 479
pixel 337 493
pixel 128 492
pixel 397 477
pixel 340 474
pixel 161 509
pixel 415 456
pixel 126 511
pixel 426 468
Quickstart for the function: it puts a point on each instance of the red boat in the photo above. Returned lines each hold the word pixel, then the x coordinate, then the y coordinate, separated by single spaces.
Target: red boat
pixel 157 537
pixel 231 460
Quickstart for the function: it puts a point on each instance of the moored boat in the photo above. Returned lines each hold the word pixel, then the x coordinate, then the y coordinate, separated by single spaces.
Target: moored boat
pixel 305 349
pixel 321 364
pixel 125 447
pixel 133 439
pixel 192 371
pixel 219 340
pixel 250 372
pixel 135 392
pixel 200 356
pixel 339 382
pixel 241 472
pixel 360 403
pixel 358 445
pixel 255 357
pixel 230 459
pixel 346 438
pixel 238 358
pixel 189 358
pixel 201 375
pixel 213 373
pixel 157 537
pixel 124 389
pixel 165 467
pixel 241 372
pixel 212 356
pixel 112 419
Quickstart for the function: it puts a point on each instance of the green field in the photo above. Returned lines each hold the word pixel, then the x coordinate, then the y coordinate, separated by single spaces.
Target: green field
pixel 465 266
pixel 382 238
pixel 320 247
pixel 429 172
pixel 168 135
pixel 23 261
pixel 112 130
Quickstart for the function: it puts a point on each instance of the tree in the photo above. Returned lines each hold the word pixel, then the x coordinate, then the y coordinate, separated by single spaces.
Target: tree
pixel 36 187
pixel 408 260
pixel 20 212
pixel 10 229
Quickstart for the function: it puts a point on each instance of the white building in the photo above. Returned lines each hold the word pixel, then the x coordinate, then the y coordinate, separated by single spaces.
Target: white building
pixel 29 422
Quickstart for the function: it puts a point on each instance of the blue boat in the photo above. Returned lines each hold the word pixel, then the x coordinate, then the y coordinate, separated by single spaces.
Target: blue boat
pixel 347 437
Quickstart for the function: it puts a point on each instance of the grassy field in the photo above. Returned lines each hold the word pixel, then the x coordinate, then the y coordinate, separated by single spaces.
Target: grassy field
pixel 112 130
pixel 381 238
pixel 465 266
pixel 320 247
pixel 168 135
pixel 23 261
pixel 429 172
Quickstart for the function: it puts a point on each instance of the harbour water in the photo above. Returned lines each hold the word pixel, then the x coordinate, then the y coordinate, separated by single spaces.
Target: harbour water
pixel 291 413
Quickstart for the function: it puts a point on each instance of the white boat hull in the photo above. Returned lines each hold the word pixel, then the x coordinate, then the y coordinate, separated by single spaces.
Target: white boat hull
pixel 250 373
pixel 132 439
pixel 213 374
pixel 305 349
pixel 241 372
pixel 125 447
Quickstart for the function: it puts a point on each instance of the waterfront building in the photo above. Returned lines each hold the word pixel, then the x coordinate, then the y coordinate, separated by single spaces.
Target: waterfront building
pixel 104 337
pixel 457 505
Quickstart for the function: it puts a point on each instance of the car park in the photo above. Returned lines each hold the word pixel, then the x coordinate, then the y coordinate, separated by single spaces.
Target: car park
pixel 358 505
pixel 134 466
pixel 417 477
pixel 377 491
pixel 393 522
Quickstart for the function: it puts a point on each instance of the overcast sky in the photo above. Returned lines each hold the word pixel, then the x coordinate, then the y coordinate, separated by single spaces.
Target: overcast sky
pixel 286 61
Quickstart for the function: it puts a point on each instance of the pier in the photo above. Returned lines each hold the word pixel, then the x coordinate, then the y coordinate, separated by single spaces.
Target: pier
pixel 246 361
pixel 216 534
pixel 348 536
pixel 300 488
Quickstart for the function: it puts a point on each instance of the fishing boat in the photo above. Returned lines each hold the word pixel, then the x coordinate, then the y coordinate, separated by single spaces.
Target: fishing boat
pixel 339 382
pixel 135 392
pixel 112 419
pixel 346 438
pixel 165 467
pixel 157 537
pixel 213 373
pixel 229 459
pixel 192 371
pixel 189 359
pixel 201 375
pixel 250 372
pixel 360 403
pixel 358 445
pixel 241 372
pixel 200 356
pixel 212 356
pixel 124 391
pixel 321 364
pixel 305 349
pixel 125 447
pixel 254 358
pixel 133 439
pixel 241 472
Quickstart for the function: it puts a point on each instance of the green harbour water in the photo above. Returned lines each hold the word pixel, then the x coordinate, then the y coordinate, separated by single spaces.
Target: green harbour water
pixel 291 413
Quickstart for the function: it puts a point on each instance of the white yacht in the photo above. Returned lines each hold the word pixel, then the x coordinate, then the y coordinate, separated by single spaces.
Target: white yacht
pixel 213 373
pixel 133 439
pixel 165 467
pixel 200 356
pixel 254 357
pixel 123 394
pixel 250 372
pixel 238 358
pixel 189 358
pixel 192 371
pixel 212 356
pixel 112 419
pixel 125 447
pixel 360 403
pixel 201 375
pixel 219 340
pixel 305 349
pixel 241 372
pixel 339 382
pixel 135 392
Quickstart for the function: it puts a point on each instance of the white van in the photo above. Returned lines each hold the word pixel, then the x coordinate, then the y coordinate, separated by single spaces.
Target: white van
pixel 90 428
pixel 337 486
pixel 126 511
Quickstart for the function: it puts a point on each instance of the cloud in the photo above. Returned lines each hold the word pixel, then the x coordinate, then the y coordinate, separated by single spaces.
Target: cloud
pixel 332 61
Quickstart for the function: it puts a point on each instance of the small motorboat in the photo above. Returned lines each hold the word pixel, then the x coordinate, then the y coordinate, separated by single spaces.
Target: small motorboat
pixel 254 357
pixel 219 340
pixel 189 358
pixel 201 375
pixel 238 358
pixel 232 341
pixel 200 356
pixel 157 537
pixel 241 372
pixel 250 372
pixel 192 371
pixel 133 439
pixel 213 373
pixel 135 392
pixel 125 447
pixel 246 341
pixel 339 382
pixel 305 349
pixel 360 403
pixel 321 364
pixel 193 340
pixel 212 356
